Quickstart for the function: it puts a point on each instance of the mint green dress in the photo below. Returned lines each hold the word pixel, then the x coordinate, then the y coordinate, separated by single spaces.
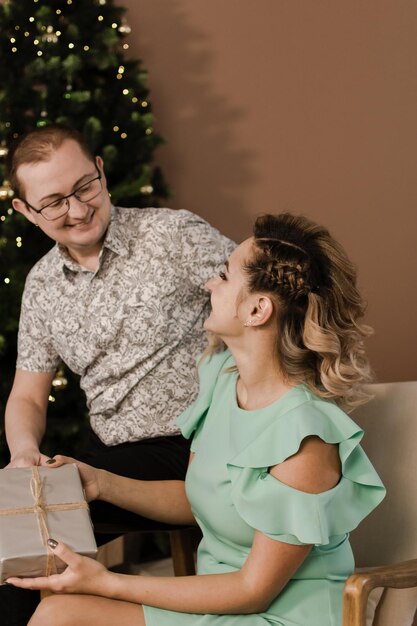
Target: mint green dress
pixel 232 495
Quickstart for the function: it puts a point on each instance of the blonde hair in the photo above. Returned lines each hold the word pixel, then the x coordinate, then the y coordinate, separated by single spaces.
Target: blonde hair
pixel 319 335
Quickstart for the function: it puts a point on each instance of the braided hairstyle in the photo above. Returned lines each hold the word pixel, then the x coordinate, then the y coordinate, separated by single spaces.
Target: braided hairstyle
pixel 307 273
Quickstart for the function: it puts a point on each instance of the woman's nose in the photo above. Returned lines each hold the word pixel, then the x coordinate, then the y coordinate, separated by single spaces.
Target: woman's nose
pixel 210 284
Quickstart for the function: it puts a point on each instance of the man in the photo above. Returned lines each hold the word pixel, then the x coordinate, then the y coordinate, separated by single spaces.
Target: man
pixel 121 300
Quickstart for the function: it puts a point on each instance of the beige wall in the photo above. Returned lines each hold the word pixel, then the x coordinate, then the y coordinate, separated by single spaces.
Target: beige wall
pixel 308 106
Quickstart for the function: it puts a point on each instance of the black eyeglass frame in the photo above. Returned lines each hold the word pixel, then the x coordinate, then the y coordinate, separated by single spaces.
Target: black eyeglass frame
pixel 74 193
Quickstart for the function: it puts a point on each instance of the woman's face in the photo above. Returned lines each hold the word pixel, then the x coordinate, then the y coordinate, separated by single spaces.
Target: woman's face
pixel 228 294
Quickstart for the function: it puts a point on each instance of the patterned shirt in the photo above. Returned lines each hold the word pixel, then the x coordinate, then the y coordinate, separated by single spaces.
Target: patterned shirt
pixel 133 328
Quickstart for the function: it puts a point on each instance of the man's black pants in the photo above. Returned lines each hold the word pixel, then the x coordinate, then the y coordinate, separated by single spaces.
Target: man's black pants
pixel 161 458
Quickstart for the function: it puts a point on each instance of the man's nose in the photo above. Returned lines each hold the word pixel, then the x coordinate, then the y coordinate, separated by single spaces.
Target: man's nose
pixel 75 207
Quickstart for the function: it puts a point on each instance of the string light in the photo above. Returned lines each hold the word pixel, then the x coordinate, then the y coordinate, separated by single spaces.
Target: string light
pixel 144 104
pixel 58 11
pixel 3 218
pixel 12 40
pixel 7 281
pixel 125 46
pixel 134 99
pixel 10 211
pixel 40 53
pixel 31 19
pixel 36 42
pixel 70 45
pixel 14 49
pixel 114 25
pixel 100 18
pixel 115 128
pixel 125 92
pixel 51 399
pixel 86 48
pixel 121 69
pixel 123 135
pixel 148 131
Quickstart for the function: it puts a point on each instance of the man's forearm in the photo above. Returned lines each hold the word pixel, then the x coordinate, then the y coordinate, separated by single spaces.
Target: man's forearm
pixel 25 426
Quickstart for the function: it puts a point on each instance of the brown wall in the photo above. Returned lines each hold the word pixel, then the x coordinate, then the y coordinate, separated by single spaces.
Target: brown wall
pixel 274 105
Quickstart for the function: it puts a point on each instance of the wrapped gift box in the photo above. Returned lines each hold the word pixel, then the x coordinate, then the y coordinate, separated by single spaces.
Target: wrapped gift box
pixel 37 502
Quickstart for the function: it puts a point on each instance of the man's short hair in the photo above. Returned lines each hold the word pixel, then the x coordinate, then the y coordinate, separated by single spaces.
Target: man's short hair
pixel 38 145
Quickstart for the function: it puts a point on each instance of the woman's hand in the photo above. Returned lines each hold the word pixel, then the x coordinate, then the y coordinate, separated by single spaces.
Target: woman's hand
pixel 83 575
pixel 90 476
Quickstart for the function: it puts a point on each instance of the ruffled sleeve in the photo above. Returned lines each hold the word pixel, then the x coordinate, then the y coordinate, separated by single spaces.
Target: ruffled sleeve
pixel 191 421
pixel 292 516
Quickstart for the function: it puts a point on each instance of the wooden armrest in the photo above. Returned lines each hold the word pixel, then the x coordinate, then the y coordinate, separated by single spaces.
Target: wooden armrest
pixel 359 585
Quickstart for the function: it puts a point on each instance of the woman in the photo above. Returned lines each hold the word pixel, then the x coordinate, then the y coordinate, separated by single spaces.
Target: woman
pixel 277 477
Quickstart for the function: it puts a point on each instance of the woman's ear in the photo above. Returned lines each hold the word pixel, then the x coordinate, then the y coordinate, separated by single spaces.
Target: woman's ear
pixel 261 311
pixel 22 207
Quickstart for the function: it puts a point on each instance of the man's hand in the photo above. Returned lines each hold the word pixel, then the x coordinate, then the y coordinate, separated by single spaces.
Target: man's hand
pixel 90 476
pixel 26 458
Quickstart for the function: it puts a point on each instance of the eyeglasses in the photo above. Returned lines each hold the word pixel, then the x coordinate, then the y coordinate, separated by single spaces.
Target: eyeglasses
pixel 60 207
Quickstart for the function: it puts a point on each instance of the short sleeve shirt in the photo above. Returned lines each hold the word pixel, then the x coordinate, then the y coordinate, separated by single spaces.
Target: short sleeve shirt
pixel 133 328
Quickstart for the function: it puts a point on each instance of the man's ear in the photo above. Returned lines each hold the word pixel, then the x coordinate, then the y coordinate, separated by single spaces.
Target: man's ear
pixel 22 207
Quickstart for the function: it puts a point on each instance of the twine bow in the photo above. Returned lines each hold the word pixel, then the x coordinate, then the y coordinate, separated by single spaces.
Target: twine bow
pixel 41 510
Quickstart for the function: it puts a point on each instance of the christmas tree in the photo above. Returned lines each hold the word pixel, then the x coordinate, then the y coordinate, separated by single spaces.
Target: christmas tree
pixel 64 61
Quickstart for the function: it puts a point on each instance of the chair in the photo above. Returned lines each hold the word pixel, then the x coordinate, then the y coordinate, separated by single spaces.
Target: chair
pixel 385 544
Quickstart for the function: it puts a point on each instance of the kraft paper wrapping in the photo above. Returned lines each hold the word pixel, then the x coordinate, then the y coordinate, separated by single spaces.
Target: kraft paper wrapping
pixel 22 535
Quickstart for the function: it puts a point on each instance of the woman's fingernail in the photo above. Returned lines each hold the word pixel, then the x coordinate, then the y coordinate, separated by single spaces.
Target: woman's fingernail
pixel 50 461
pixel 52 543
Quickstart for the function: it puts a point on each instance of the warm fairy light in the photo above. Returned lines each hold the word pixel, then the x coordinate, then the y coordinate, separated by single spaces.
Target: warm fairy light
pixel 40 53
pixel 119 76
pixel 31 19
pixel 58 33
pixel 86 48
pixel 148 131
pixel 3 218
pixel 7 281
pixel 125 92
pixel 14 49
pixel 121 69
pixel 19 244
pixel 10 211
pixel 144 104
pixel 114 25
pixel 58 11
pixel 69 1
pixel 17 27
pixel 12 40
pixel 100 18
pixel 123 135
pixel 125 46
pixel 26 33
pixel 134 99
pixel 115 128
pixel 70 45
pixel 51 399
pixel 7 125
pixel 35 42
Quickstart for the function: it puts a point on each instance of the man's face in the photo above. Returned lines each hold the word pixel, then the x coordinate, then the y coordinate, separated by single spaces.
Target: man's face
pixel 82 229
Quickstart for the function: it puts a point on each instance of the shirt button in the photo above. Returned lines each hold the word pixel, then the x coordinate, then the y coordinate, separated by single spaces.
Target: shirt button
pixel 263 475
